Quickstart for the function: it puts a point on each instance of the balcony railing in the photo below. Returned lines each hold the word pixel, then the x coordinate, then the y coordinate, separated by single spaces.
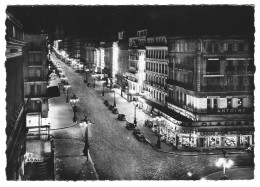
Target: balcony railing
pixel 180 84
pixel 216 88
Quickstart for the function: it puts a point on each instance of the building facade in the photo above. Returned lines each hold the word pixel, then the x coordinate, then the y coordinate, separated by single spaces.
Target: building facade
pixel 15 104
pixel 156 69
pixel 211 83
pixel 122 62
pixel 36 73
pixel 136 75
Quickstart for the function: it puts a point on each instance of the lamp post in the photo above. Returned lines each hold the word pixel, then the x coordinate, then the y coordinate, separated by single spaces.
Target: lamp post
pixel 226 163
pixel 103 93
pixel 114 99
pixel 135 122
pixel 86 76
pixel 74 99
pixel 158 118
pixel 67 86
pixel 84 123
pixel 94 81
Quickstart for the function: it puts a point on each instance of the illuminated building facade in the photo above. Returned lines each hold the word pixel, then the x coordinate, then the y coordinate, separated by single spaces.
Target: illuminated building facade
pixel 211 84
pixel 15 104
pixel 156 70
pixel 36 73
pixel 100 63
pixel 135 75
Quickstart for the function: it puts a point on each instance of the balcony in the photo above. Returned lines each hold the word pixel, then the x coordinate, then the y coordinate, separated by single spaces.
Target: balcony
pixel 230 88
pixel 34 79
pixel 180 84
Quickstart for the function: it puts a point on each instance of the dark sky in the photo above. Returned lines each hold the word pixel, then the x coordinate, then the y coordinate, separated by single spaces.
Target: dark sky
pixel 102 21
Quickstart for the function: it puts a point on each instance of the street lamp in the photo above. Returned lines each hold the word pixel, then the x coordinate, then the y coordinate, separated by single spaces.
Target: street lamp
pixel 103 84
pixel 226 163
pixel 74 99
pixel 84 123
pixel 158 118
pixel 114 98
pixel 67 86
pixel 135 122
pixel 86 76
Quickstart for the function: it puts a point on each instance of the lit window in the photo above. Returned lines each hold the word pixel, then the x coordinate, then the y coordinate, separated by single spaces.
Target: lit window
pixel 240 103
pixel 229 103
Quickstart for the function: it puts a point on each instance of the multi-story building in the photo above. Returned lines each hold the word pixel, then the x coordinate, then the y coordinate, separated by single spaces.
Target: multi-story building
pixel 156 70
pixel 36 73
pixel 76 49
pixel 122 63
pixel 90 50
pixel 136 75
pixel 15 104
pixel 100 62
pixel 211 83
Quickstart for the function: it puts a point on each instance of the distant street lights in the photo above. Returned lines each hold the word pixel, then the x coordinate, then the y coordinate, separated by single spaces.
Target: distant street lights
pixel 85 123
pixel 74 99
pixel 226 163
pixel 67 86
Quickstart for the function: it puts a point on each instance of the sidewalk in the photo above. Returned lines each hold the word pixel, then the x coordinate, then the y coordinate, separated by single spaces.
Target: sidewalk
pixel 69 161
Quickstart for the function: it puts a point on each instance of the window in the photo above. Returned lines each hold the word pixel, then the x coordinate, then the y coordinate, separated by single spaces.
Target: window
pixel 178 47
pixel 173 46
pixel 240 65
pixel 240 47
pixel 208 104
pixel 32 90
pixel 230 47
pixel 38 89
pixel 215 103
pixel 230 66
pixel 216 47
pixel 240 103
pixel 209 47
pixel 213 66
pixel 229 103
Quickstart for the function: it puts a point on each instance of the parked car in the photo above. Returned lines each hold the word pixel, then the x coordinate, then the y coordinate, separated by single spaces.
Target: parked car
pixel 115 111
pixel 106 102
pixel 121 117
pixel 110 107
pixel 140 137
pixel 148 123
pixel 136 131
pixel 130 126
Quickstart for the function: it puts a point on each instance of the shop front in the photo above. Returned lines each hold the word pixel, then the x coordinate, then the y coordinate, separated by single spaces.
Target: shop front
pixel 233 139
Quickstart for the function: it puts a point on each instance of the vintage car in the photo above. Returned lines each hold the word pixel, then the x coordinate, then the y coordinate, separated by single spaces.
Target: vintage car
pixel 130 126
pixel 140 137
pixel 115 111
pixel 110 107
pixel 148 123
pixel 121 117
pixel 106 103
pixel 136 131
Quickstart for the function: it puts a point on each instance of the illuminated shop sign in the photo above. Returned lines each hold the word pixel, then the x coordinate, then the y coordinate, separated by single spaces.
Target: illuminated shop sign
pixel 233 110
pixel 225 133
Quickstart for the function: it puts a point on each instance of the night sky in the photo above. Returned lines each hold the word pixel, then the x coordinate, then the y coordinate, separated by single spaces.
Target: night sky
pixel 104 21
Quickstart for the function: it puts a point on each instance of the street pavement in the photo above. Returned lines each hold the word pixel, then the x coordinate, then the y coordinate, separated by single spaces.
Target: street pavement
pixel 69 161
pixel 118 155
pixel 233 174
